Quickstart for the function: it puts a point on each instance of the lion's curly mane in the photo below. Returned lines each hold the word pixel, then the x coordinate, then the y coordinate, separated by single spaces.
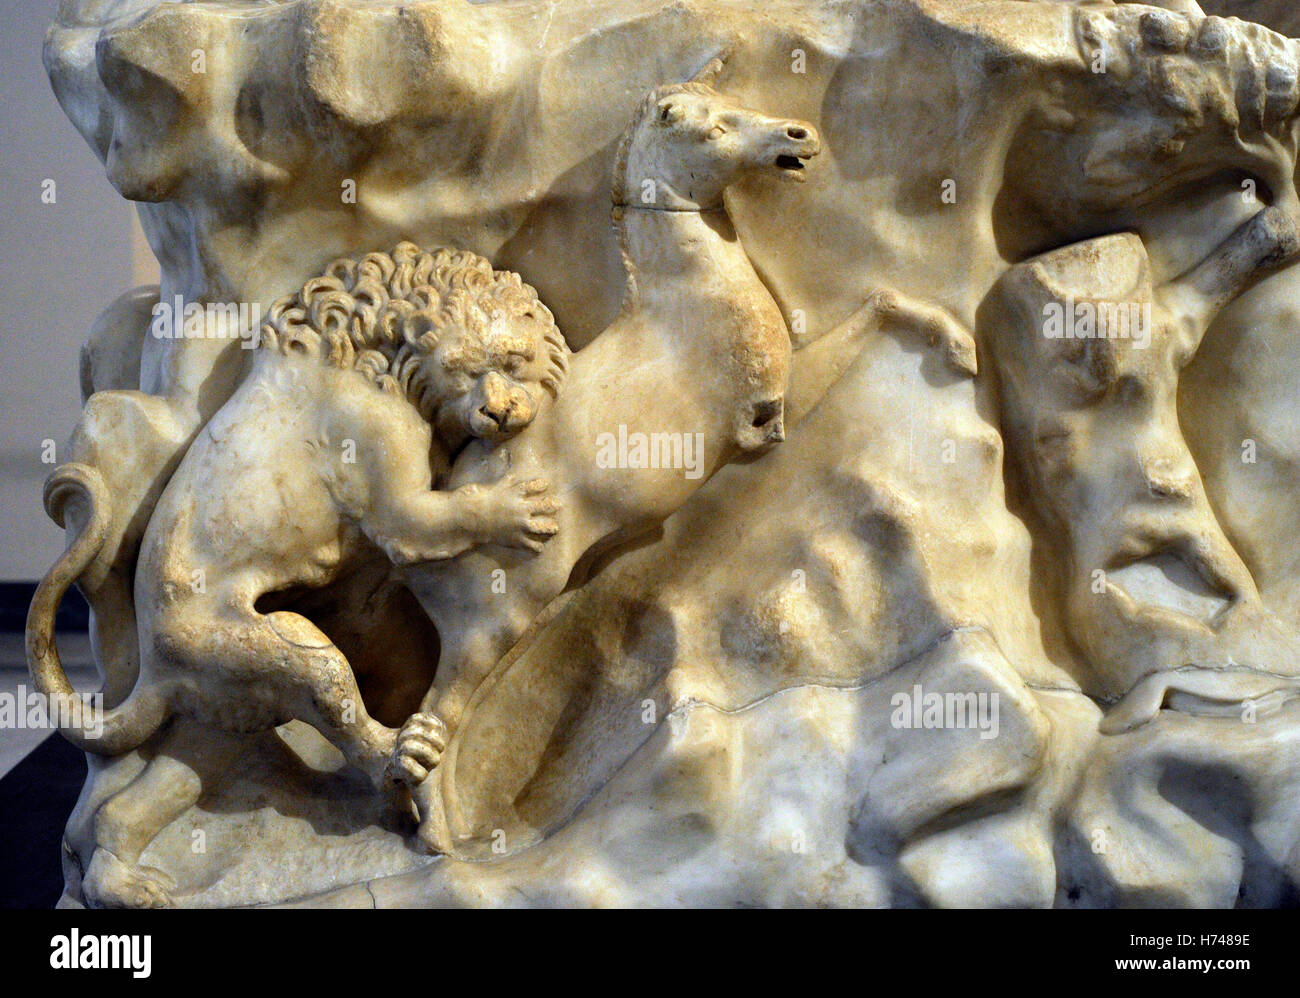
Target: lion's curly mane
pixel 382 313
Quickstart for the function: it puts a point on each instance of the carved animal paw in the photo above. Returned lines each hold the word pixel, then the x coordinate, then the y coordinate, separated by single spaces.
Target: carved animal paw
pixel 520 514
pixel 418 749
pixel 111 883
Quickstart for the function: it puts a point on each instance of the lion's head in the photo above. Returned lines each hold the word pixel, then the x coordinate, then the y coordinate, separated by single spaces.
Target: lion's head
pixel 472 348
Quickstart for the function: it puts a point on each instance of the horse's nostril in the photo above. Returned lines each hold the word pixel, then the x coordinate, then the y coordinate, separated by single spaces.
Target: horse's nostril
pixel 795 132
pixel 765 412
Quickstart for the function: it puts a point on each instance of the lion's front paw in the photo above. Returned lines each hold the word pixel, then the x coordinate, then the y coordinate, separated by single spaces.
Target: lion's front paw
pixel 418 749
pixel 522 514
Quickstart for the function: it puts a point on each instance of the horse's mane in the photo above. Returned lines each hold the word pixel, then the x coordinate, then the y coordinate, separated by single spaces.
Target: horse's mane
pixel 618 186
pixel 648 106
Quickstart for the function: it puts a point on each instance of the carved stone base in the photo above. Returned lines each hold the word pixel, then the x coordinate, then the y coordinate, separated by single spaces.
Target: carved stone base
pixel 642 453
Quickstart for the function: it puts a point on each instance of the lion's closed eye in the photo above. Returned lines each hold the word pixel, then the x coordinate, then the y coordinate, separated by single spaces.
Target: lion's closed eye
pixel 517 363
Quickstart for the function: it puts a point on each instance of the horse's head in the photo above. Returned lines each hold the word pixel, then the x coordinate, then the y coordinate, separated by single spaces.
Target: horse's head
pixel 688 143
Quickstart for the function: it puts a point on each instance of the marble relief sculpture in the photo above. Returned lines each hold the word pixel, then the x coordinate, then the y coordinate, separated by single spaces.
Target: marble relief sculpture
pixel 697 452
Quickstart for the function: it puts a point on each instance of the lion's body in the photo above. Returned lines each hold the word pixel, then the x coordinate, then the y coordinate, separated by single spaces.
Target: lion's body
pixel 328 451
pixel 295 446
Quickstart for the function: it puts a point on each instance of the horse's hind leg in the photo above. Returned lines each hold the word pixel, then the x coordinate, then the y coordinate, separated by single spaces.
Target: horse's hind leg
pixel 189 758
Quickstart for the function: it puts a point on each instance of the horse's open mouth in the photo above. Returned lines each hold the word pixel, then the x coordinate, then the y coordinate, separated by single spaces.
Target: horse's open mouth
pixel 791 165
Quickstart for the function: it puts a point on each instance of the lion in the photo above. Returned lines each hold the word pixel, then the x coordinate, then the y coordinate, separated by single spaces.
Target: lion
pixel 364 385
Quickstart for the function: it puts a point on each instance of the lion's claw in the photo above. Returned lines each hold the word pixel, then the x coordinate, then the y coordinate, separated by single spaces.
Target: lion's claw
pixel 522 514
pixel 419 748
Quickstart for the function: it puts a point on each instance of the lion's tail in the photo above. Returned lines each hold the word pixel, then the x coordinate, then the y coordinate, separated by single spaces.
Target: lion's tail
pixel 122 728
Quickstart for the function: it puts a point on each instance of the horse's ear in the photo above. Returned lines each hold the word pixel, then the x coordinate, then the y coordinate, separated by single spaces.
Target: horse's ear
pixel 712 71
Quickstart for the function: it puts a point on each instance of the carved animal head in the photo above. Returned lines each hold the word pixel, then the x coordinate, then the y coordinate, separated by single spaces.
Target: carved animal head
pixel 1158 109
pixel 1088 352
pixel 486 363
pixel 472 348
pixel 688 143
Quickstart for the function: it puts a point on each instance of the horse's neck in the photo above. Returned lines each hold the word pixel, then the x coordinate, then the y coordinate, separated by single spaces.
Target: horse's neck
pixel 677 256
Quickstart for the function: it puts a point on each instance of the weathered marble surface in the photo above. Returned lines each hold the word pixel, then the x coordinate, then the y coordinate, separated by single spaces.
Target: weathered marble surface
pixel 708 714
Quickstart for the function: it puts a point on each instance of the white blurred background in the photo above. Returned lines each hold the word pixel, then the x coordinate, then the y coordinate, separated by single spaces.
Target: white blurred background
pixel 61 264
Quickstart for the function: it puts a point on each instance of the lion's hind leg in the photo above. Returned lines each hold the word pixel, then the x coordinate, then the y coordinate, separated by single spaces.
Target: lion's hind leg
pixel 189 759
pixel 310 680
pixel 246 672
pixel 242 670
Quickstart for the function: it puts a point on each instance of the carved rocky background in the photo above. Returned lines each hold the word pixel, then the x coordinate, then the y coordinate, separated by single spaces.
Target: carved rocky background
pixel 707 720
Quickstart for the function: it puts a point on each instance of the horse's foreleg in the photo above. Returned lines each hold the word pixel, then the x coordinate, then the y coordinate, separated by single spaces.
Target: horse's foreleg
pixel 480 642
pixel 423 739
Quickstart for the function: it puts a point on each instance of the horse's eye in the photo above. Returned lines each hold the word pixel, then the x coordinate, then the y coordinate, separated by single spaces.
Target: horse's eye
pixel 716 132
pixel 669 113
